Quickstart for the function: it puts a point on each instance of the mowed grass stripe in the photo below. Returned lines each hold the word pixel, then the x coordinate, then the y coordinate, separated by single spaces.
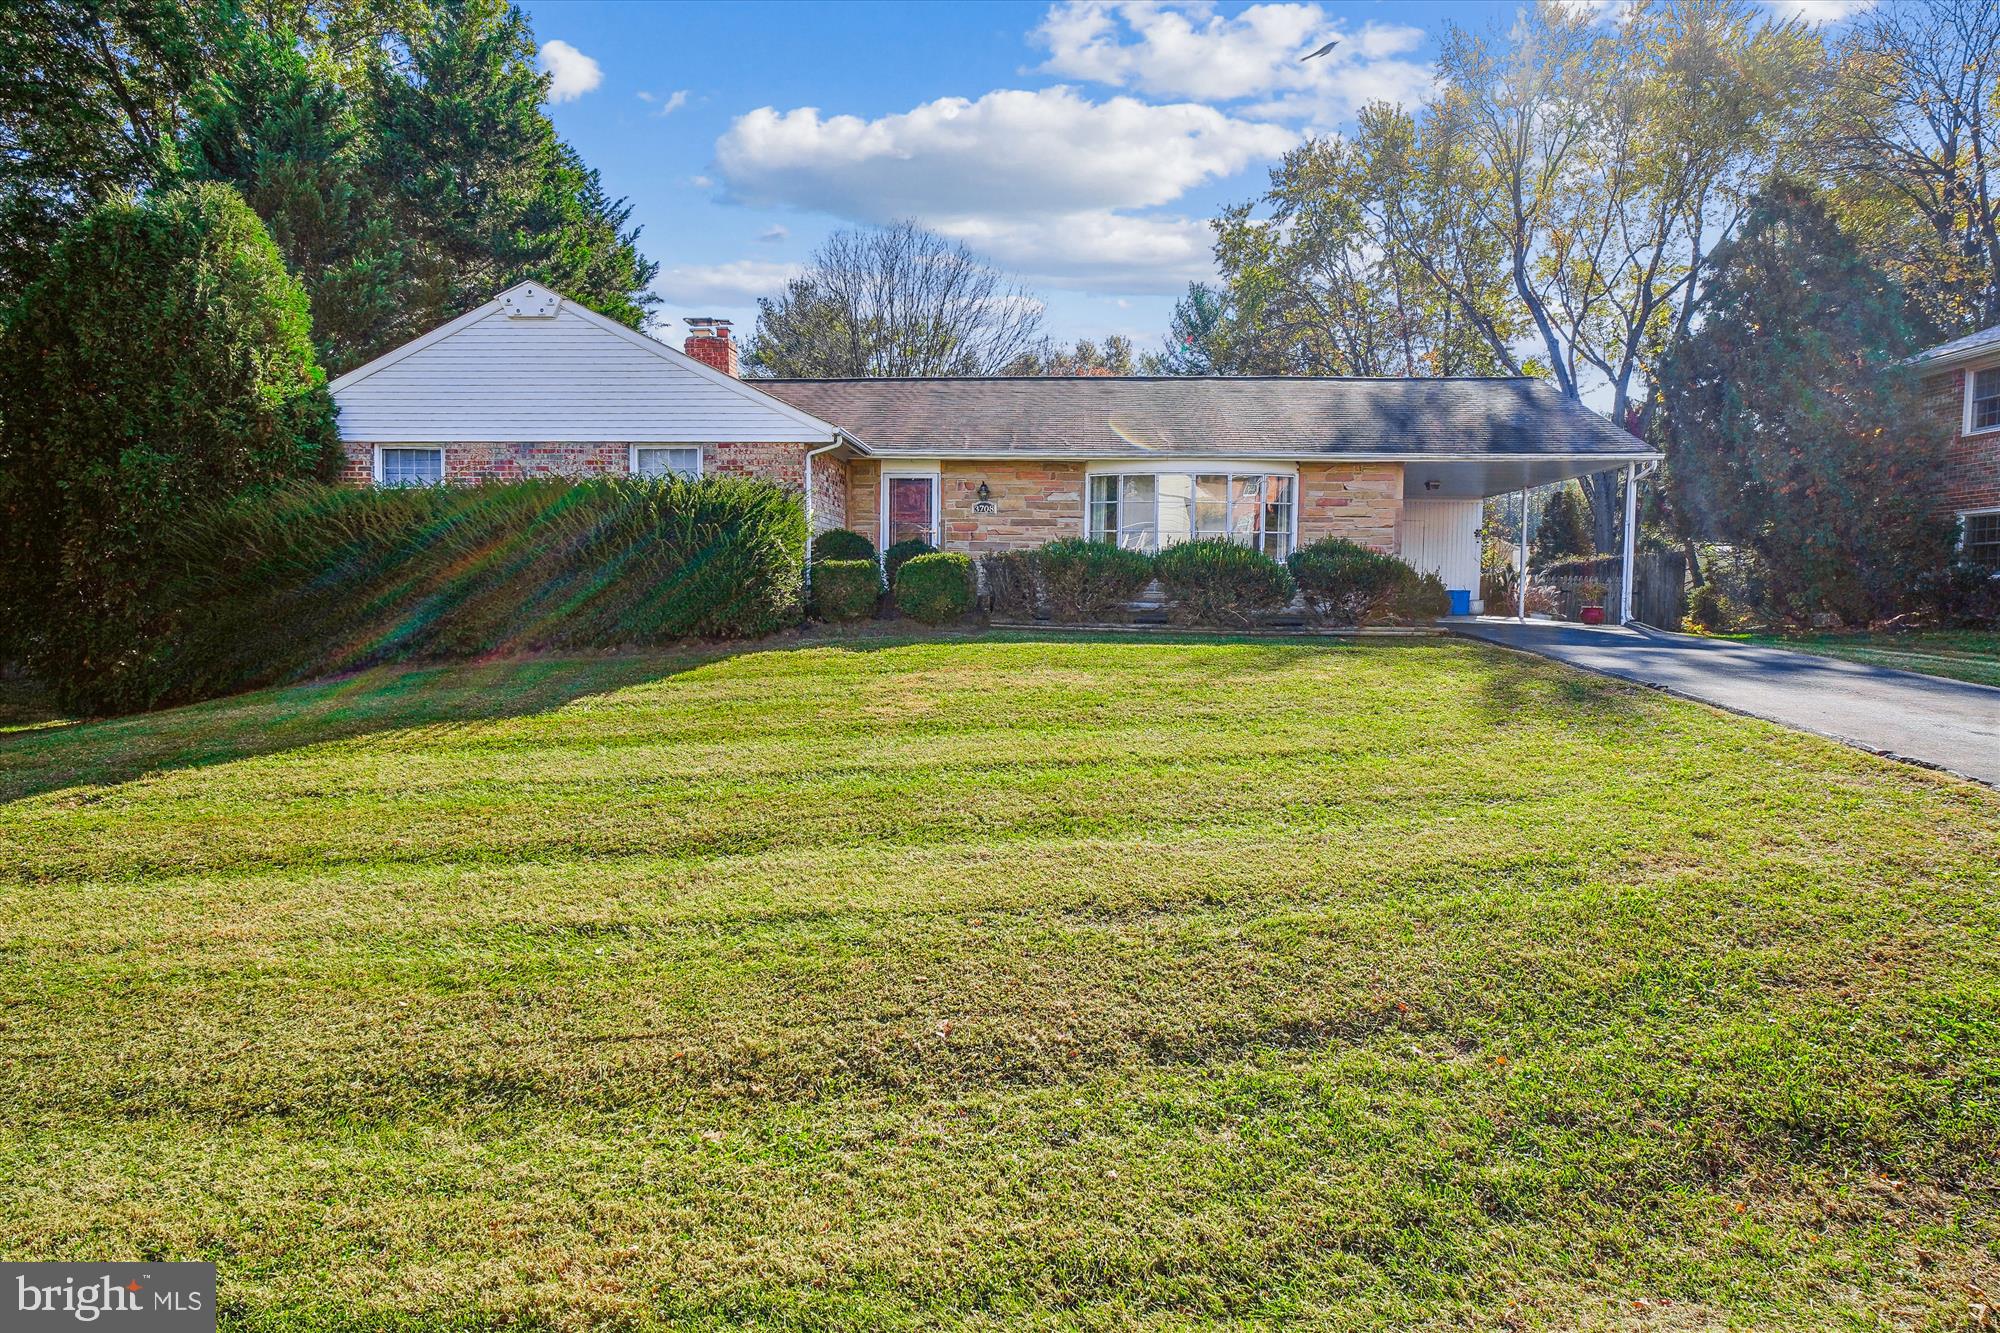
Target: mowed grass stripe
pixel 1001 981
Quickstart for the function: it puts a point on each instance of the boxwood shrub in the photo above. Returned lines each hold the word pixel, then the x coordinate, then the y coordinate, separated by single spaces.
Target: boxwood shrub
pixel 1082 580
pixel 1419 598
pixel 1345 583
pixel 935 588
pixel 893 558
pixel 840 544
pixel 1010 583
pixel 845 589
pixel 1215 581
pixel 311 579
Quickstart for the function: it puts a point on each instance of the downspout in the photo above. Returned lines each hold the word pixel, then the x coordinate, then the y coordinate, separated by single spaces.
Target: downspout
pixel 810 530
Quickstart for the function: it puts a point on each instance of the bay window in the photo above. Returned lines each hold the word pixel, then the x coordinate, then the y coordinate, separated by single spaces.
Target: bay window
pixel 1147 511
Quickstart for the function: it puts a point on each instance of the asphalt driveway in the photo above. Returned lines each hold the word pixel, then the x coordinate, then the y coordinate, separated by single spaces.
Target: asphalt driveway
pixel 1945 724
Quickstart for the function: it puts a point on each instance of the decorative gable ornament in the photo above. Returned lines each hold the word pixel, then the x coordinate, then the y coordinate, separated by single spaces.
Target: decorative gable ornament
pixel 531 302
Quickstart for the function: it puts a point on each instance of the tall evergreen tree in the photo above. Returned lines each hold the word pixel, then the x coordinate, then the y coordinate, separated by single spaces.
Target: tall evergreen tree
pixel 1793 422
pixel 92 94
pixel 280 129
pixel 480 188
pixel 162 359
pixel 1564 532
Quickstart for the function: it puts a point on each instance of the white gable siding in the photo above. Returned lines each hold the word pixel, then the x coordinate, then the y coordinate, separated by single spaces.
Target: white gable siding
pixel 561 379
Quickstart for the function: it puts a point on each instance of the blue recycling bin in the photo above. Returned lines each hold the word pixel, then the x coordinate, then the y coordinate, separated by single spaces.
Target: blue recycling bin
pixel 1461 601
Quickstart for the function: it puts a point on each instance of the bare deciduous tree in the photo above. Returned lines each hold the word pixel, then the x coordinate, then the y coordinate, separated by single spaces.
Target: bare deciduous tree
pixel 894 301
pixel 1918 120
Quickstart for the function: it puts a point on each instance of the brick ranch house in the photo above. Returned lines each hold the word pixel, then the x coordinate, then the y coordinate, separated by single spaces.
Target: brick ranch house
pixel 1962 387
pixel 530 384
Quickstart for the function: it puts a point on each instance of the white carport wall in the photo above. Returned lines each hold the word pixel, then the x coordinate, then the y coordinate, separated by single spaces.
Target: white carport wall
pixel 1441 537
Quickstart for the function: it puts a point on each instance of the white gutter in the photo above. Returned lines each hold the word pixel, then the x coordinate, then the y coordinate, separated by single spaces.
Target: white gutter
pixel 1073 456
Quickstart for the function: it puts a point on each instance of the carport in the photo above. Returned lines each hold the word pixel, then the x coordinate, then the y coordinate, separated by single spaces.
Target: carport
pixel 1444 503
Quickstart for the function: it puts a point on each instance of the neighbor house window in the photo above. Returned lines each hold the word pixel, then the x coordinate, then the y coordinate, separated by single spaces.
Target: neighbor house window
pixel 1979 537
pixel 1984 412
pixel 909 510
pixel 659 464
pixel 1146 511
pixel 412 467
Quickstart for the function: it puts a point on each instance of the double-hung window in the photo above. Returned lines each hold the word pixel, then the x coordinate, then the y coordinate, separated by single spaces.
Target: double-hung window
pixel 1979 537
pixel 1148 511
pixel 1983 392
pixel 667 461
pixel 411 467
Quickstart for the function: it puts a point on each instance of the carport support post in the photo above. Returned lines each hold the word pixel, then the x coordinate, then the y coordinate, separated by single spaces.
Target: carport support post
pixel 1521 566
pixel 1631 523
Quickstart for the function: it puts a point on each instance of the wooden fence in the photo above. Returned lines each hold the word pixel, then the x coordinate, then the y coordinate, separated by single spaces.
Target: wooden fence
pixel 1659 598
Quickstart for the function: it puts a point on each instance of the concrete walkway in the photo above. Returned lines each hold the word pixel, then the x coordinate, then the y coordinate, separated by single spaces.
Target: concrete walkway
pixel 1940 723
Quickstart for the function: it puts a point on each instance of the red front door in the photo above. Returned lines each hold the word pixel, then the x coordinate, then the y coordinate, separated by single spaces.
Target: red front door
pixel 912 510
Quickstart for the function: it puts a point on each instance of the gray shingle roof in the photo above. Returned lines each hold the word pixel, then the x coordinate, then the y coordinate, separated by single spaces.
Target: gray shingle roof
pixel 1249 416
pixel 1970 343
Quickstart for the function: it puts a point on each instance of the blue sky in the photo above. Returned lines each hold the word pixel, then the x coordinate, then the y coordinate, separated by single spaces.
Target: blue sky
pixel 1079 146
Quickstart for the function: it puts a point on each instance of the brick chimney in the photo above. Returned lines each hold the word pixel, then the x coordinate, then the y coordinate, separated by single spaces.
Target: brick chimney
pixel 708 342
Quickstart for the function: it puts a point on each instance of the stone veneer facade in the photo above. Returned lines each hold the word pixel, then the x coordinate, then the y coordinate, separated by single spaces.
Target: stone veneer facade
pixel 1972 462
pixel 472 461
pixel 1362 502
pixel 1037 501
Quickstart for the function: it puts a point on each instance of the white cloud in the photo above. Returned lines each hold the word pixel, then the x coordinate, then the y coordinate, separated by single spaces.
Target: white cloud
pixel 1010 153
pixel 774 233
pixel 1097 250
pixel 1194 51
pixel 737 283
pixel 667 104
pixel 1817 12
pixel 571 72
pixel 1044 182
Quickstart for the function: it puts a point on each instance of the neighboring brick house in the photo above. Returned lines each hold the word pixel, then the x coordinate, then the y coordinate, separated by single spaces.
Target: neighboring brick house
pixel 533 385
pixel 1962 386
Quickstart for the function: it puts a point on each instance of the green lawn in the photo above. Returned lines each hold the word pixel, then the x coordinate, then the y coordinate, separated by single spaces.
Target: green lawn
pixel 999 982
pixel 1972 655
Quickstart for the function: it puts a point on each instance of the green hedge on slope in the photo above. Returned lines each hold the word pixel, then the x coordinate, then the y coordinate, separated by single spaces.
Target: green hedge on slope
pixel 308 579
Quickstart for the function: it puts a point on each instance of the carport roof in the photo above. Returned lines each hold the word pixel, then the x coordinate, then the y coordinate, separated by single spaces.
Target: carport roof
pixel 1248 416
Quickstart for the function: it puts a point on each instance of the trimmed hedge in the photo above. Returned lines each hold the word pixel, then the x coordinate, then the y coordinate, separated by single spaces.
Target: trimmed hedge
pixel 845 589
pixel 840 544
pixel 1086 581
pixel 1215 581
pixel 895 556
pixel 1420 597
pixel 1345 583
pixel 1011 579
pixel 935 588
pixel 310 579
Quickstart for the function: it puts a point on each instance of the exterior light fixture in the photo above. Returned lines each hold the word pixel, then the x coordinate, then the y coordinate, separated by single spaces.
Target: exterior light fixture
pixel 984 492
